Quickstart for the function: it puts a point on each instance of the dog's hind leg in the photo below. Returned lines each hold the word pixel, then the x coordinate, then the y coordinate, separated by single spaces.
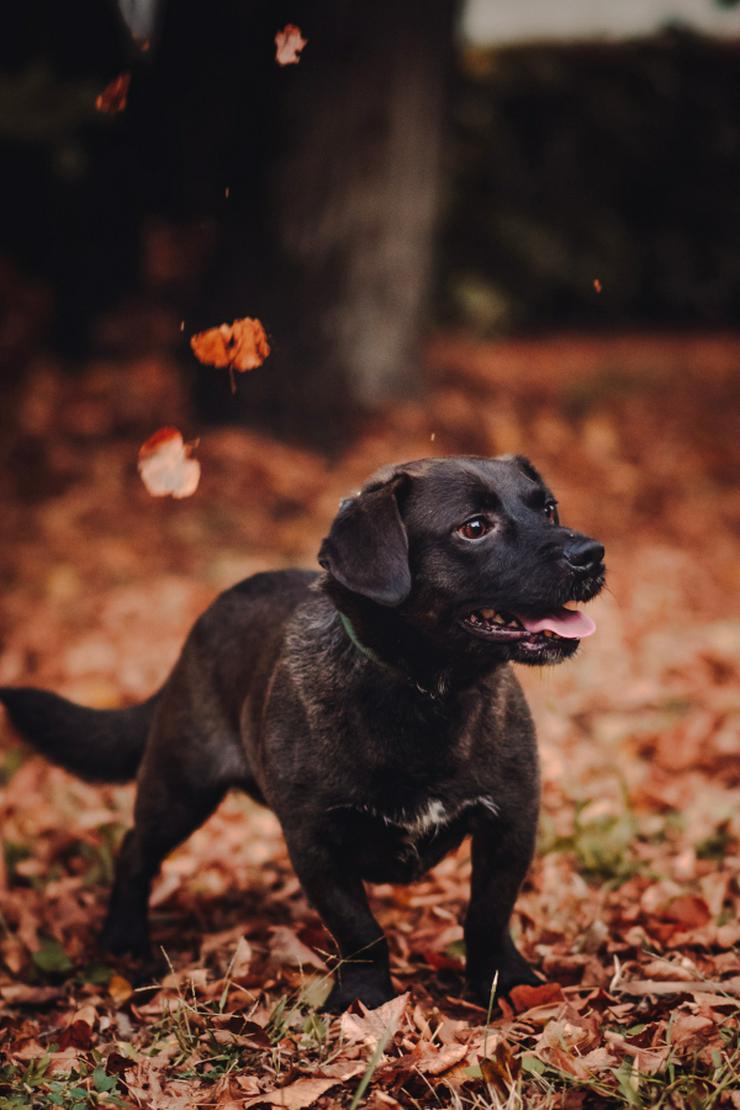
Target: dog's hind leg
pixel 183 777
pixel 501 854
pixel 167 811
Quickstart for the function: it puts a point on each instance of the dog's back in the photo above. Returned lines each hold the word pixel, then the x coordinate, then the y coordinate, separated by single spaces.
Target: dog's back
pixel 229 651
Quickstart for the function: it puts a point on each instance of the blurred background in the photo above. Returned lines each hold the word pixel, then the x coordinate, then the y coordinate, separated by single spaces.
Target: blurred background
pixel 483 227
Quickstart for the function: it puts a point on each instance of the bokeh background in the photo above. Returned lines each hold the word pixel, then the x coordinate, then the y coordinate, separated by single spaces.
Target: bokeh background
pixel 496 227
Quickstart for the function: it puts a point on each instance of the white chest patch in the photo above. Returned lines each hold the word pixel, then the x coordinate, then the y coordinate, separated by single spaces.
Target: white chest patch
pixel 431 817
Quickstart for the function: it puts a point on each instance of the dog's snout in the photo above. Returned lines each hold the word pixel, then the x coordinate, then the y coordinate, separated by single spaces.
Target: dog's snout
pixel 584 555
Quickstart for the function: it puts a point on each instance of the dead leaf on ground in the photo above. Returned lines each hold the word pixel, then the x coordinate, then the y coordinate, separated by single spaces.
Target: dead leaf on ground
pixel 524 997
pixel 165 465
pixel 300 1093
pixel 372 1026
pixel 287 948
pixel 288 45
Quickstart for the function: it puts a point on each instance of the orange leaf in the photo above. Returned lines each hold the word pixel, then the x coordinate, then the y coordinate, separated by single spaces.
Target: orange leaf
pixel 119 989
pixel 241 345
pixel 113 97
pixel 288 45
pixel 165 465
pixel 689 911
pixel 526 998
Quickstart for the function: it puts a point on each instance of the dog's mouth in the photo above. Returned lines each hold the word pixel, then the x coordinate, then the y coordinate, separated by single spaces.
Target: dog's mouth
pixel 561 624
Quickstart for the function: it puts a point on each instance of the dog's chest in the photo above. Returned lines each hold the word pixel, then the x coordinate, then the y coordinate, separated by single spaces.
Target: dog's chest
pixel 427 818
pixel 399 844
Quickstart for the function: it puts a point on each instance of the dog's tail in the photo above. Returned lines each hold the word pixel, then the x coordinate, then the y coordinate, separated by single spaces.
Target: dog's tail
pixel 100 745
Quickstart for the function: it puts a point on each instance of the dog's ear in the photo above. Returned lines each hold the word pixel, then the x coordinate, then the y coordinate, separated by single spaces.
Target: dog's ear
pixel 524 465
pixel 367 549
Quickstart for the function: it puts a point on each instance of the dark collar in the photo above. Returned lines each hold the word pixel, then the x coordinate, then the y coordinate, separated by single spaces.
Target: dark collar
pixel 373 656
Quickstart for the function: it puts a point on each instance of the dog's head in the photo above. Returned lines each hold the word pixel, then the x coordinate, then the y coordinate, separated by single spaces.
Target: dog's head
pixel 471 553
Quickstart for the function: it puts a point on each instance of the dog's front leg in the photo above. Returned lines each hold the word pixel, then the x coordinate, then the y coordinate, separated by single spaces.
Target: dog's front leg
pixel 501 856
pixel 338 894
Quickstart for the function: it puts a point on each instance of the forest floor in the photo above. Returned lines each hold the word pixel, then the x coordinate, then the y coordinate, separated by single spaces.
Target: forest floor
pixel 630 910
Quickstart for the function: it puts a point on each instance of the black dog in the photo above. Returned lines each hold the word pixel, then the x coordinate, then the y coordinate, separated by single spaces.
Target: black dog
pixel 371 708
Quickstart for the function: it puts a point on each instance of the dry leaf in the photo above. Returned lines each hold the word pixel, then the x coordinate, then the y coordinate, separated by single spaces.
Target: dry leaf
pixel 241 345
pixel 113 97
pixel 524 997
pixel 639 987
pixel 288 45
pixel 380 1024
pixel 302 1092
pixel 242 959
pixel 119 989
pixel 437 1061
pixel 286 948
pixel 165 465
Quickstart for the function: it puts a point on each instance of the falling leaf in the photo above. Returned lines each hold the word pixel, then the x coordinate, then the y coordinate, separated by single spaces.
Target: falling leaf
pixel 288 45
pixel 241 345
pixel 165 465
pixel 113 97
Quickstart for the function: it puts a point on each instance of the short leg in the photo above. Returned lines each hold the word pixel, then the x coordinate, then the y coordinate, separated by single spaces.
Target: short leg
pixel 167 811
pixel 501 853
pixel 339 897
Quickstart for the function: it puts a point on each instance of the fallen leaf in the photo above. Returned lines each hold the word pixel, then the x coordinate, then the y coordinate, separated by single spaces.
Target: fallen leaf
pixel 78 1032
pixel 639 987
pixel 241 345
pixel 21 994
pixel 241 960
pixel 119 989
pixel 286 948
pixel 165 465
pixel 288 45
pixel 688 910
pixel 437 1061
pixel 380 1024
pixel 300 1093
pixel 526 998
pixel 113 97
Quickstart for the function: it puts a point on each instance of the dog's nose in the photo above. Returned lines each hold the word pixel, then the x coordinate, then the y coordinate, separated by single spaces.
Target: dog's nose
pixel 584 554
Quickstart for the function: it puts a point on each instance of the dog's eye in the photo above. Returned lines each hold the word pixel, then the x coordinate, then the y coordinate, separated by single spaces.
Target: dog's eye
pixel 474 529
pixel 551 512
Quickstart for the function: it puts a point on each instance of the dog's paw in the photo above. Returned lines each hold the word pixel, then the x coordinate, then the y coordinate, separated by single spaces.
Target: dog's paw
pixel 370 992
pixel 122 937
pixel 512 972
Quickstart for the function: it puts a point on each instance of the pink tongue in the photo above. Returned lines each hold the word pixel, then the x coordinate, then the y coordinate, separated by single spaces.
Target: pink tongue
pixel 570 623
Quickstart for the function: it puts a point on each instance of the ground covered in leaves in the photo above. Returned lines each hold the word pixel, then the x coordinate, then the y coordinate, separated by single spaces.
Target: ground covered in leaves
pixel 630 911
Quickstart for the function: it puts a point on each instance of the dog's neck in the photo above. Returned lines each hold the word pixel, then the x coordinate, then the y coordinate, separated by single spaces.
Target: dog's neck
pixel 399 650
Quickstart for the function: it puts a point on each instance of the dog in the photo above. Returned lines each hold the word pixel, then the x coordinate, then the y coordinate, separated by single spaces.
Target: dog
pixel 372 707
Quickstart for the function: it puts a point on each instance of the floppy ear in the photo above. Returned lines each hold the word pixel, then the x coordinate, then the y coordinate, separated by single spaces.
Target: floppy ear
pixel 367 549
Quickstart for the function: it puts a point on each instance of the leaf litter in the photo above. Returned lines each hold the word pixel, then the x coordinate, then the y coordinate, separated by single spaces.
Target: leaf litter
pixel 631 907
